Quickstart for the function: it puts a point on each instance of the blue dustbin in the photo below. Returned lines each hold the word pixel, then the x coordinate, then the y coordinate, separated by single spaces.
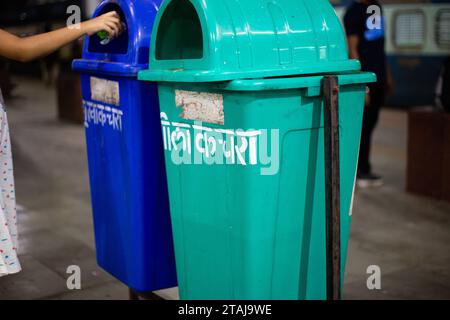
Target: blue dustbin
pixel 127 174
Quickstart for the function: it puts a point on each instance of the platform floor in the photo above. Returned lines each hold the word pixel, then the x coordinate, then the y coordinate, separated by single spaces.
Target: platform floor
pixel 407 236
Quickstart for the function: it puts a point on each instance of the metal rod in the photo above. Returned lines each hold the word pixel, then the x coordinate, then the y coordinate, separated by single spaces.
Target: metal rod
pixel 332 187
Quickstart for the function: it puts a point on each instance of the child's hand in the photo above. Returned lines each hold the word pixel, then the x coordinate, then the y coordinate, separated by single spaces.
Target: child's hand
pixel 29 48
pixel 109 22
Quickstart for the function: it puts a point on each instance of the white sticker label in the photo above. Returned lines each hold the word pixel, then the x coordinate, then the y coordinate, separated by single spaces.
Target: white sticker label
pixel 200 106
pixel 105 91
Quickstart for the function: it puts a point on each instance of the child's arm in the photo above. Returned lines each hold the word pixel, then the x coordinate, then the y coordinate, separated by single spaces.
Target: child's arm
pixel 29 48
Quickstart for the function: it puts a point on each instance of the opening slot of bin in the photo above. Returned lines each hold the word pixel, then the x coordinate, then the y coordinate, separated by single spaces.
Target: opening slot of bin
pixel 119 45
pixel 180 35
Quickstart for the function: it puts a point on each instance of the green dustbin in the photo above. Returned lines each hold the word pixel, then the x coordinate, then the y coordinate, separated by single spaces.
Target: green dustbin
pixel 242 118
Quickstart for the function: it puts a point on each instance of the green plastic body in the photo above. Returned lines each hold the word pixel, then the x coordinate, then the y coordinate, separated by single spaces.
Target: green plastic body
pixel 247 225
pixel 243 235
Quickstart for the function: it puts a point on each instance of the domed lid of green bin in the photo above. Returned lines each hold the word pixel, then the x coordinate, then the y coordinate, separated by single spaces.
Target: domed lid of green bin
pixel 219 40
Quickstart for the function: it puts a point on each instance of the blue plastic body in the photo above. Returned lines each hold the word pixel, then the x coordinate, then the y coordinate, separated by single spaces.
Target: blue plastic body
pixel 127 171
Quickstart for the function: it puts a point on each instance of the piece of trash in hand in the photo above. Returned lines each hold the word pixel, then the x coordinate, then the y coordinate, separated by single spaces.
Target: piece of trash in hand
pixel 104 35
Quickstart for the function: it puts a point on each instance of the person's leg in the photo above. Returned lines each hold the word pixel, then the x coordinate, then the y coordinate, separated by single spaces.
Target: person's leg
pixel 364 161
pixel 371 116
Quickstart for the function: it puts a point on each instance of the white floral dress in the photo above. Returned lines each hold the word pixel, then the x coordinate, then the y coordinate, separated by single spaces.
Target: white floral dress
pixel 9 263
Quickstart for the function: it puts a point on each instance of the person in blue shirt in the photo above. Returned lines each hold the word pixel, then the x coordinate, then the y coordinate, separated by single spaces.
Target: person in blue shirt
pixel 364 25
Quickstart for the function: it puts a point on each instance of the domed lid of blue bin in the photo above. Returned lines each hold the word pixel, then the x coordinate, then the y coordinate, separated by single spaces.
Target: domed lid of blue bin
pixel 128 53
pixel 219 40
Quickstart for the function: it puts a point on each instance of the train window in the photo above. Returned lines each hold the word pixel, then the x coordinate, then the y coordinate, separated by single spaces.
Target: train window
pixel 409 29
pixel 443 28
